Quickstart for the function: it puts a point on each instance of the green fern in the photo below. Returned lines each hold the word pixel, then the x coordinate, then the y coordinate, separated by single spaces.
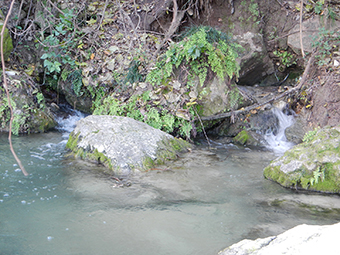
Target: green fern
pixel 203 48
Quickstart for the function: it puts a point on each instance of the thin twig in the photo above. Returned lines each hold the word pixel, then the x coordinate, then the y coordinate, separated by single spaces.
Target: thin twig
pixel 205 134
pixel 301 44
pixel 6 89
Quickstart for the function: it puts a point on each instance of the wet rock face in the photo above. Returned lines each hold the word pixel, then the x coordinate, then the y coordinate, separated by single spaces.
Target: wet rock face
pixel 313 165
pixel 123 144
pixel 254 62
pixel 265 122
pixel 82 103
pixel 31 114
pixel 303 239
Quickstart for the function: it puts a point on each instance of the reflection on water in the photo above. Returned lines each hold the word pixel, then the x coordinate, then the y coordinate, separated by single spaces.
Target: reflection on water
pixel 203 202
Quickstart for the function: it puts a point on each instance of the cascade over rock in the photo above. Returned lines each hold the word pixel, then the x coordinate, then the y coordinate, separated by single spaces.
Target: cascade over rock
pixel 123 144
pixel 302 240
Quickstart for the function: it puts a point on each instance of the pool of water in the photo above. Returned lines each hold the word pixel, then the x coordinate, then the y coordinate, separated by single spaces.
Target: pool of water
pixel 203 202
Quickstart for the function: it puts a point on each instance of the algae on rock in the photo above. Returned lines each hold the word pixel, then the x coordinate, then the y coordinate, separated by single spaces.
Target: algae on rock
pixel 313 165
pixel 123 144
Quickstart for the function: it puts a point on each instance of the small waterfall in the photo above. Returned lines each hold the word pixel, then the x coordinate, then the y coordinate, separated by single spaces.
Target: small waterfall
pixel 67 122
pixel 277 141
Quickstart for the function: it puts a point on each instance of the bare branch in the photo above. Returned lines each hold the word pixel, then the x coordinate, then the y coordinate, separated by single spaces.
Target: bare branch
pixel 301 44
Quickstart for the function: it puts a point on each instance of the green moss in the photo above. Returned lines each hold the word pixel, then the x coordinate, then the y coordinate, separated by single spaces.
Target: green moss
pixel 292 180
pixel 167 150
pixel 8 45
pixel 302 179
pixel 98 157
pixel 148 163
pixel 331 182
pixel 241 137
pixel 72 141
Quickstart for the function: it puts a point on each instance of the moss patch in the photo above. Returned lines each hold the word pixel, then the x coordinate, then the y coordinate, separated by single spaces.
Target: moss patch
pixel 8 45
pixel 241 137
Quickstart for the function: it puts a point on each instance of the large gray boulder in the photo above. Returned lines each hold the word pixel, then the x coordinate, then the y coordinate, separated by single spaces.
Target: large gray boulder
pixel 312 165
pixel 123 144
pixel 302 240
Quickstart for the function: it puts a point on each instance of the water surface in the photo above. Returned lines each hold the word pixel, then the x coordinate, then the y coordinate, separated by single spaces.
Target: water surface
pixel 203 202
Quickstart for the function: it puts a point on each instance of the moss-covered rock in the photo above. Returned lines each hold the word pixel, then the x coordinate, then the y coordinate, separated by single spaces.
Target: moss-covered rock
pixel 247 137
pixel 122 144
pixel 8 45
pixel 312 165
pixel 31 115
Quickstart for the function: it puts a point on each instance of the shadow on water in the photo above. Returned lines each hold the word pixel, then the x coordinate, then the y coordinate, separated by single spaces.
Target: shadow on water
pixel 199 204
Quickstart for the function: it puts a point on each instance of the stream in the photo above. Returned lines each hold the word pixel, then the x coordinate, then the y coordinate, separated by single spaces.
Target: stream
pixel 203 202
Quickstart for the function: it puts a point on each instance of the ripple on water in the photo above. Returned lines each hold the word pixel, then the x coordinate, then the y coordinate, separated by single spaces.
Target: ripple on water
pixel 203 202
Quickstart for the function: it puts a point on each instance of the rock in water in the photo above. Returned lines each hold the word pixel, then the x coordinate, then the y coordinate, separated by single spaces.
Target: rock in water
pixel 123 144
pixel 312 165
pixel 302 240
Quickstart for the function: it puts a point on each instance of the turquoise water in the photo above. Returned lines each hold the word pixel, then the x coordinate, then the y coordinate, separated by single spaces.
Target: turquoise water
pixel 200 204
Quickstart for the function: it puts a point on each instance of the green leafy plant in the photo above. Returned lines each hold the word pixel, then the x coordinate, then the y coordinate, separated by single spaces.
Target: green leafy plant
pixel 137 107
pixel 318 175
pixel 327 43
pixel 134 73
pixel 201 48
pixel 58 59
pixel 286 58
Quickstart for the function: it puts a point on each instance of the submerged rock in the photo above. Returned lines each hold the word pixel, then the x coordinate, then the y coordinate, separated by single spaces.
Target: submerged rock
pixel 123 144
pixel 302 240
pixel 312 165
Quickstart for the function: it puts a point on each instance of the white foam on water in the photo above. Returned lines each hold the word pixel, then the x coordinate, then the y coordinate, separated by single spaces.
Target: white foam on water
pixel 278 142
pixel 67 124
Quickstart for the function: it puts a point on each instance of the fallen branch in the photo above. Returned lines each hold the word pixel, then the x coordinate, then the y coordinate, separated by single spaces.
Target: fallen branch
pixel 254 106
pixel 6 89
